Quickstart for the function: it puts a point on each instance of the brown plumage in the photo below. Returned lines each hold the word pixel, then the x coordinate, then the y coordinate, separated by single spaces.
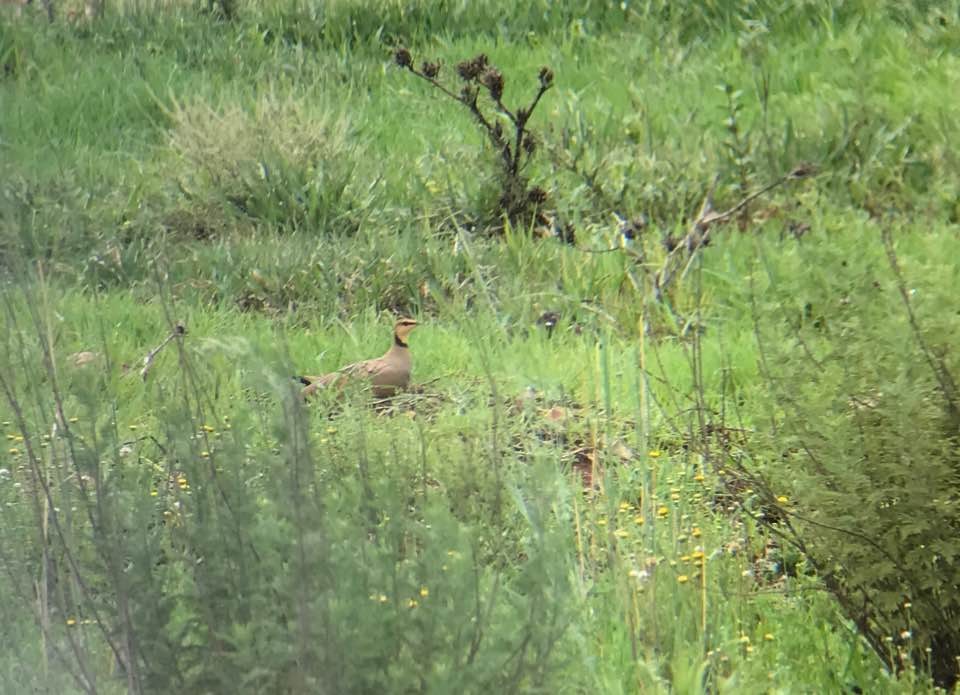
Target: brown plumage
pixel 387 374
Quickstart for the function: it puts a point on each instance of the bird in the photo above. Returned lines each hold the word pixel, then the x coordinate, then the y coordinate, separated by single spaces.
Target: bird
pixel 386 374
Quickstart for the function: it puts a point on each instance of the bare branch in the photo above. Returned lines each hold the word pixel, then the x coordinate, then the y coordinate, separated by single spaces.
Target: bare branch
pixel 178 331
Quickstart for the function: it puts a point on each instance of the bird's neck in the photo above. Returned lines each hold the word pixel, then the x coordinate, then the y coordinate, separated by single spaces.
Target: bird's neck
pixel 399 353
pixel 398 341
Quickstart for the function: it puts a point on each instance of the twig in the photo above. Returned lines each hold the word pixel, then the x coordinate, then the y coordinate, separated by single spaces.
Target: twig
pixel 178 331
pixel 701 225
pixel 699 232
pixel 948 387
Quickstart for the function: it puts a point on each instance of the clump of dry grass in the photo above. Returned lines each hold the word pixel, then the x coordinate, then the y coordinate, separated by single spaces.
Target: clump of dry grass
pixel 279 161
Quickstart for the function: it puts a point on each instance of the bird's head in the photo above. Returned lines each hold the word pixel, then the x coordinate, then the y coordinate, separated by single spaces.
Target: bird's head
pixel 402 329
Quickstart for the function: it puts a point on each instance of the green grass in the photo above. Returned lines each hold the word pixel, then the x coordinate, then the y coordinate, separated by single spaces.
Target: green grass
pixel 281 188
pixel 615 589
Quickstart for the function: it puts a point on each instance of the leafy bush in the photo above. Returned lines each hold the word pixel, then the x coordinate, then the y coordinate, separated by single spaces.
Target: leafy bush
pixel 863 390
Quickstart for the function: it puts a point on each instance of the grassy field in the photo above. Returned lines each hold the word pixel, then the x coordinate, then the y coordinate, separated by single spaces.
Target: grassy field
pixel 644 449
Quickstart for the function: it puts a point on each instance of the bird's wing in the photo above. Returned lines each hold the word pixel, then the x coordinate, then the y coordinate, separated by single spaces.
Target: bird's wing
pixel 368 368
pixel 315 383
pixel 382 372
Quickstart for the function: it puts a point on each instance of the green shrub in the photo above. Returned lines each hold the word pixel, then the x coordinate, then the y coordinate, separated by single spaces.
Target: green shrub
pixel 861 376
pixel 203 551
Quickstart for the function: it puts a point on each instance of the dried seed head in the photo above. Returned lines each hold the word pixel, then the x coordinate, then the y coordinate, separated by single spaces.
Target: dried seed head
pixel 529 143
pixel 429 69
pixel 465 70
pixel 802 171
pixel 546 77
pixel 493 81
pixel 471 69
pixel 549 320
pixel 633 228
pixel 537 195
pixel 403 58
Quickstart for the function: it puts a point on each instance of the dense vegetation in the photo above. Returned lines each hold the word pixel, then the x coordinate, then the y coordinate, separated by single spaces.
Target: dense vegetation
pixel 685 415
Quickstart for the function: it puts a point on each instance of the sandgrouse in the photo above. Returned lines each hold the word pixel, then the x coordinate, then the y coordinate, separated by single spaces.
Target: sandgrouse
pixel 387 374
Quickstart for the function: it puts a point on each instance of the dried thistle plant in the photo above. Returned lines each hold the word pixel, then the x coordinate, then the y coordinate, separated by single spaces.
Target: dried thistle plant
pixel 519 201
